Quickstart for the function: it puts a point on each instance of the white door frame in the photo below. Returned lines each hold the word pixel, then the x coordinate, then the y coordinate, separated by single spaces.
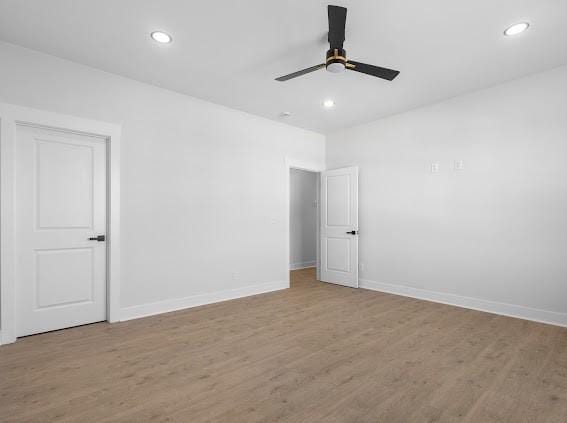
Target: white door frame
pixel 292 163
pixel 10 117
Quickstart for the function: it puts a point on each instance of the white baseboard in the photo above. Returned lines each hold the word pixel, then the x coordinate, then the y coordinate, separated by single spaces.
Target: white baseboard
pixel 144 310
pixel 511 310
pixel 303 265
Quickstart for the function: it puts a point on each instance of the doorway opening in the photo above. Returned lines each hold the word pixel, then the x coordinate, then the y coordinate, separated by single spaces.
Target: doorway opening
pixel 332 197
pixel 303 222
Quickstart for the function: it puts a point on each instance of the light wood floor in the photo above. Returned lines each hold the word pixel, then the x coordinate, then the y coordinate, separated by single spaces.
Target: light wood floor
pixel 313 353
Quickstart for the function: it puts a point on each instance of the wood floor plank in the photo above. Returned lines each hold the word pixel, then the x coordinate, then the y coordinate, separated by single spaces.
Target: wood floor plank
pixel 314 353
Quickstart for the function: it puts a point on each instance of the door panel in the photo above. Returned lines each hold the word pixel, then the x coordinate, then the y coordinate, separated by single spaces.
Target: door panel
pixel 338 254
pixel 64 185
pixel 338 200
pixel 63 277
pixel 339 215
pixel 60 203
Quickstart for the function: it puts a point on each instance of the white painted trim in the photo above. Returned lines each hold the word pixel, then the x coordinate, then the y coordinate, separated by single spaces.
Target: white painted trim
pixel 144 310
pixel 10 117
pixel 303 265
pixel 510 310
pixel 293 163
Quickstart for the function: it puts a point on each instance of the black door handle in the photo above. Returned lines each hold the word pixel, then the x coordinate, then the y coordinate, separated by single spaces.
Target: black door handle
pixel 352 232
pixel 99 238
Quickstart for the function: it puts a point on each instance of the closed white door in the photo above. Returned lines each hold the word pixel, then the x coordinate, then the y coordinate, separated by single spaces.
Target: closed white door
pixel 339 226
pixel 60 204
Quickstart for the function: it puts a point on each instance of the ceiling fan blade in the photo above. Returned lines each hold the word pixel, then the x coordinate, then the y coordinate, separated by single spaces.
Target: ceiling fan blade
pixel 301 72
pixel 377 71
pixel 337 22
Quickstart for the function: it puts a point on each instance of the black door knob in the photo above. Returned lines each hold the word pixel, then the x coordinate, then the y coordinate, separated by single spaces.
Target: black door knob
pixel 352 232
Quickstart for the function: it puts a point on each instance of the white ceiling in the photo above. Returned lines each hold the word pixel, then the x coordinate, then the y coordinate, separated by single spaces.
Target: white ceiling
pixel 229 52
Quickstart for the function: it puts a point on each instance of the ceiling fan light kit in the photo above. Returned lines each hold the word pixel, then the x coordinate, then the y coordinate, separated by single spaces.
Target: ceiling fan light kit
pixel 336 58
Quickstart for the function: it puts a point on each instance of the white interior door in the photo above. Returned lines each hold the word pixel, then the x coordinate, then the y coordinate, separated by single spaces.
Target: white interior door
pixel 339 226
pixel 60 203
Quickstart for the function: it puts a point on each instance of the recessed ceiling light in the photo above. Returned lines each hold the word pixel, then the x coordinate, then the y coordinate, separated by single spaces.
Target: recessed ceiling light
pixel 285 114
pixel 161 37
pixel 516 29
pixel 327 104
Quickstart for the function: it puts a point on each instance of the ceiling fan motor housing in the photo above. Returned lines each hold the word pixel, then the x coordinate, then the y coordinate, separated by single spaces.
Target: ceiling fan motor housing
pixel 336 60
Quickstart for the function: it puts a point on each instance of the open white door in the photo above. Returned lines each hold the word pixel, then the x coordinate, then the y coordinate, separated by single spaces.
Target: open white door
pixel 339 226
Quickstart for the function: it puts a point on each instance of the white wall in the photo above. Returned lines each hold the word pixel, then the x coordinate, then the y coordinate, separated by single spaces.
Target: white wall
pixel 303 218
pixel 203 191
pixel 494 232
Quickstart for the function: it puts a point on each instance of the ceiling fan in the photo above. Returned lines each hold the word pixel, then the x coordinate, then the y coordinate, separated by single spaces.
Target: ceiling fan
pixel 336 60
